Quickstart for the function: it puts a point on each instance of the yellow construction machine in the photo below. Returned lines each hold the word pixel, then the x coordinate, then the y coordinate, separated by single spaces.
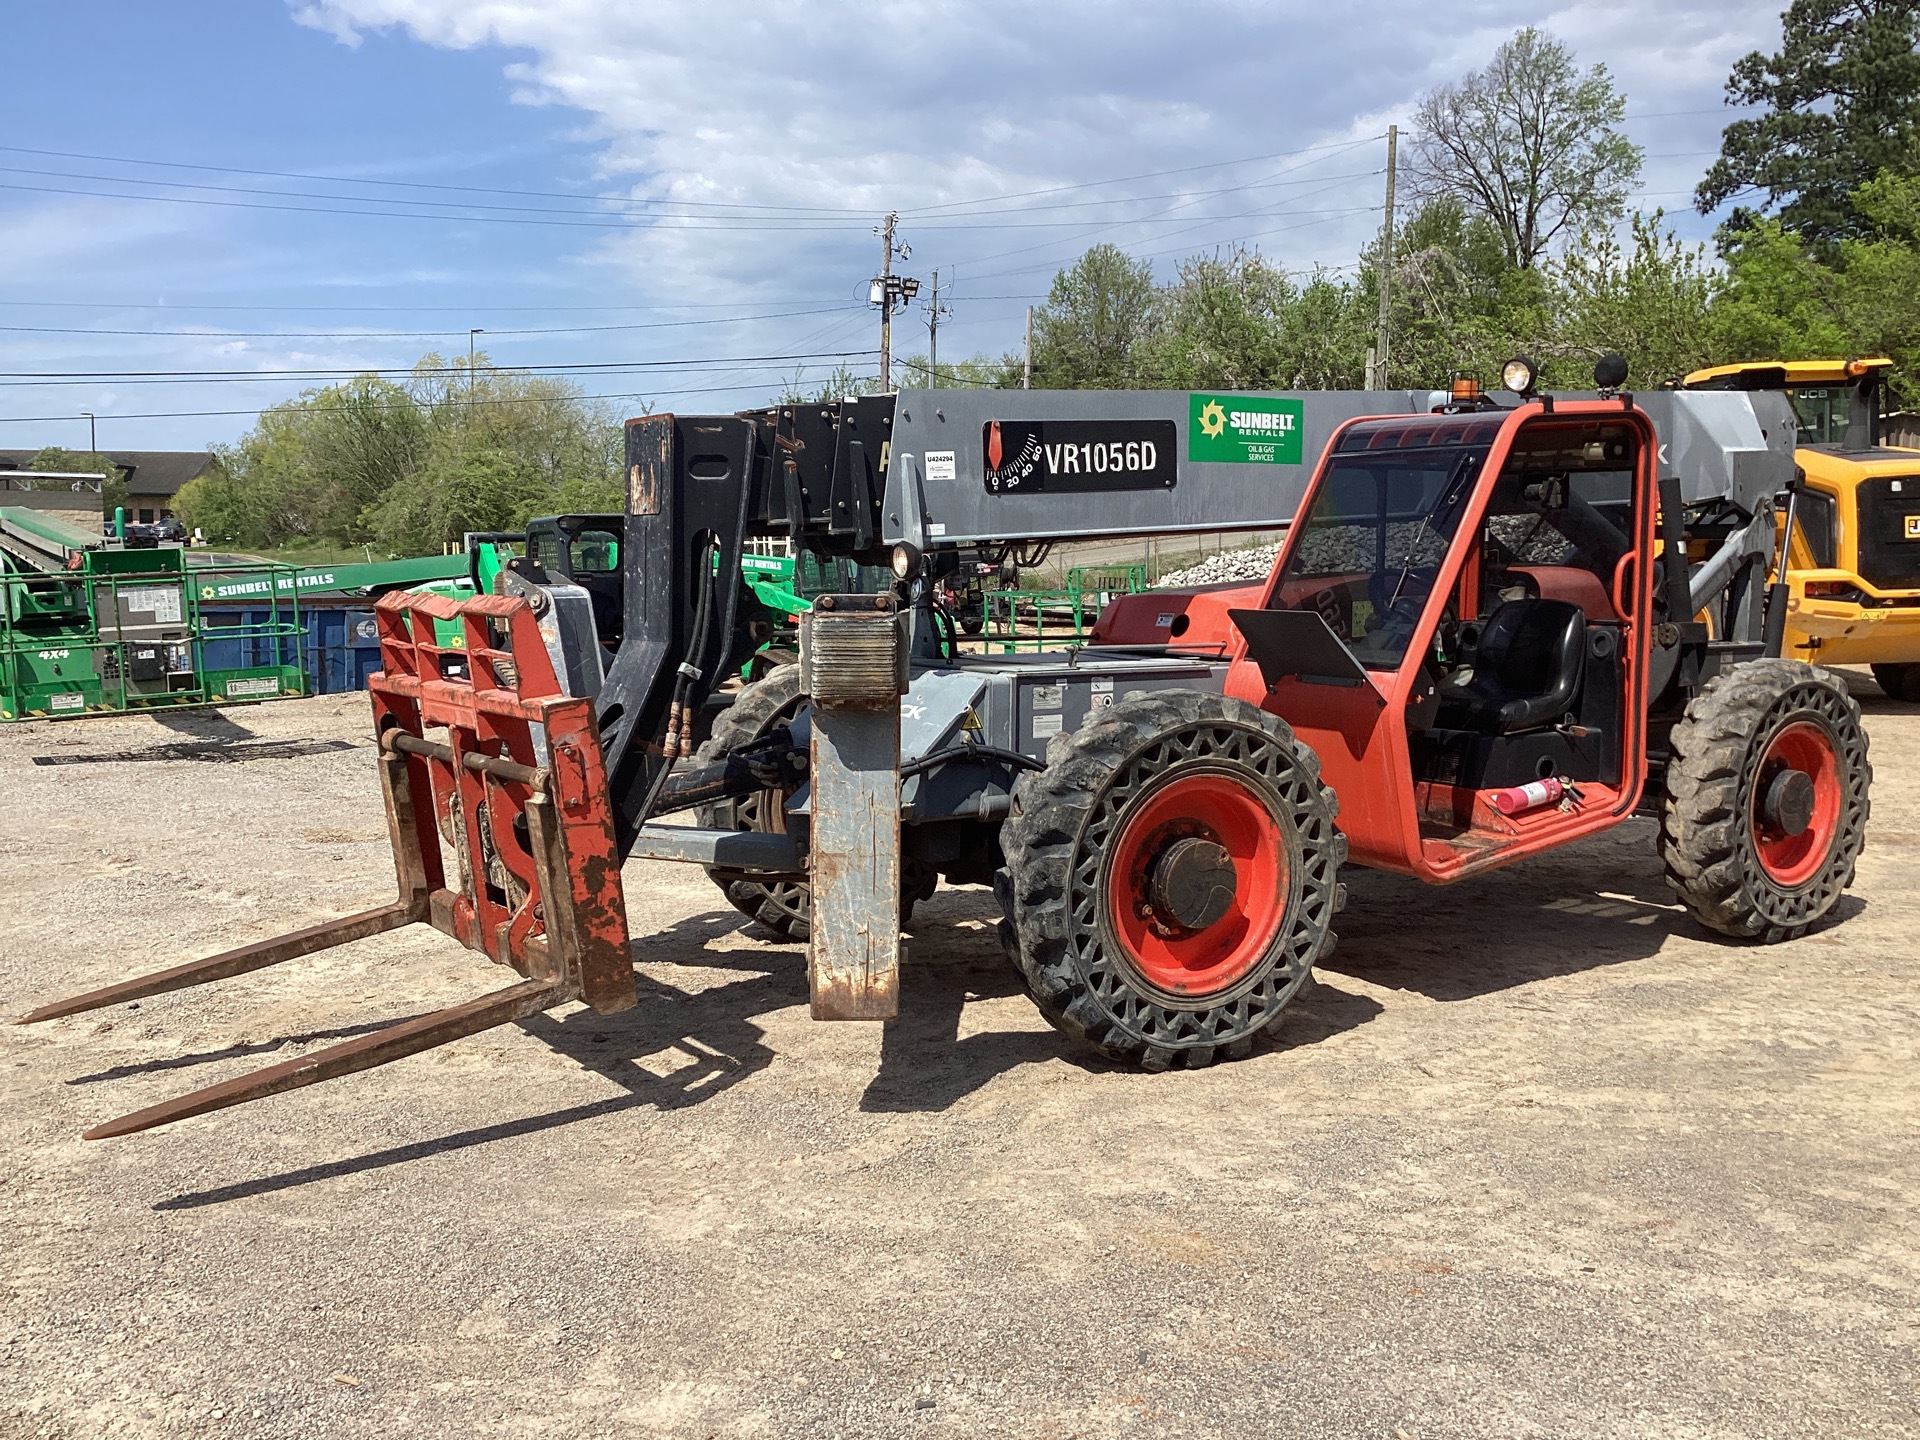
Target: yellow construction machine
pixel 1853 559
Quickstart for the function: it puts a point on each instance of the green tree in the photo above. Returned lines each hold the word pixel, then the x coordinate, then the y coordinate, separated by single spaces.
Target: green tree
pixel 216 505
pixel 977 372
pixel 412 465
pixel 1843 104
pixel 1460 304
pixel 500 448
pixel 840 382
pixel 1777 302
pixel 1239 322
pixel 1529 143
pixel 1099 311
pixel 1651 302
pixel 113 489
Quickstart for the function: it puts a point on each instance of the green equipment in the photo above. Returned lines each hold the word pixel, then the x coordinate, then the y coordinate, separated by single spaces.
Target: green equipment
pixel 1020 619
pixel 88 626
pixel 245 582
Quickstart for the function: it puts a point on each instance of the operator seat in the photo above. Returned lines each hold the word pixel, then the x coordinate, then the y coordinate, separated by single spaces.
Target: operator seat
pixel 1526 671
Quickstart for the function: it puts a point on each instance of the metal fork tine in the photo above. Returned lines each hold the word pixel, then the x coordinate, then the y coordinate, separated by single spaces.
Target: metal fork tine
pixel 394 1043
pixel 234 962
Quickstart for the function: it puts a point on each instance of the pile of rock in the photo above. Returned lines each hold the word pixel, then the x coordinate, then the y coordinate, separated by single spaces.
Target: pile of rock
pixel 1242 566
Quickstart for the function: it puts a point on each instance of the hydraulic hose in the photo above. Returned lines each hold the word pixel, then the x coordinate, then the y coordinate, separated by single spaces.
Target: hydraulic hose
pixel 677 723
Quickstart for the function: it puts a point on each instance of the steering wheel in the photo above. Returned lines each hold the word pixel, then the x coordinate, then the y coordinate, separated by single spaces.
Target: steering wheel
pixel 1412 587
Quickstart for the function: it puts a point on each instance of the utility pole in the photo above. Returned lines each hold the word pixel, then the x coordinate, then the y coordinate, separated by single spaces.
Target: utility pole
pixel 93 437
pixel 1026 368
pixel 889 291
pixel 1382 345
pixel 470 334
pixel 935 311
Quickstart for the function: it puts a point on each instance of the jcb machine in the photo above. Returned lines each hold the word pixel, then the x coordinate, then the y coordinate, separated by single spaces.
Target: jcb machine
pixel 1853 568
pixel 1482 639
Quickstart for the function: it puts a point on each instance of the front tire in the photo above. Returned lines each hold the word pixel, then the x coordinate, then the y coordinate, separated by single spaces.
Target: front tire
pixel 1767 799
pixel 1901 682
pixel 1171 878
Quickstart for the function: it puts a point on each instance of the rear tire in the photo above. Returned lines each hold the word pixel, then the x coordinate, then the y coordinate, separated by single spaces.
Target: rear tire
pixel 1754 852
pixel 1149 795
pixel 783 906
pixel 1901 682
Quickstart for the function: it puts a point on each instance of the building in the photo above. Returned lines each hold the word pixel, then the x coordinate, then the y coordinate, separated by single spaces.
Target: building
pixel 153 477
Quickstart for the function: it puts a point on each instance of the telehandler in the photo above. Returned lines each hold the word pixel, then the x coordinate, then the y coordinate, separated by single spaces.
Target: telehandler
pixel 1494 629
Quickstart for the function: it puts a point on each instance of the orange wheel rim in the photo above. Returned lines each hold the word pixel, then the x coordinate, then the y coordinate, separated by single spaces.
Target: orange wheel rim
pixel 1789 852
pixel 1236 829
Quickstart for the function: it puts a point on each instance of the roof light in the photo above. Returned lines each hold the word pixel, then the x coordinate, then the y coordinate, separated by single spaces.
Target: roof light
pixel 1465 387
pixel 1519 375
pixel 1610 372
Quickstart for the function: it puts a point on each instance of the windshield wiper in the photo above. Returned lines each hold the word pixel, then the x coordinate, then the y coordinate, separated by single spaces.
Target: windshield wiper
pixel 1462 471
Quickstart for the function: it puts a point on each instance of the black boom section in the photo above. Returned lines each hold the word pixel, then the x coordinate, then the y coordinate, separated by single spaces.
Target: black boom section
pixel 692 490
pixel 697 488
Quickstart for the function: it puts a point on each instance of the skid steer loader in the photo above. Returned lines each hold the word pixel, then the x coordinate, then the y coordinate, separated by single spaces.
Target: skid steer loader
pixel 1494 628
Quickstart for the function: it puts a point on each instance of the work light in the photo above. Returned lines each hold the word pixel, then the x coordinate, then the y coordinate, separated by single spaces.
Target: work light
pixel 1518 375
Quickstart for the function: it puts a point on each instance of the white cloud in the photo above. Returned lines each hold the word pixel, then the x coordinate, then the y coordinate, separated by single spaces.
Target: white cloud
pixel 923 103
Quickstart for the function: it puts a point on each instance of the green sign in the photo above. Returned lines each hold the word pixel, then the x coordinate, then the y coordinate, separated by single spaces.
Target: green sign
pixel 1244 429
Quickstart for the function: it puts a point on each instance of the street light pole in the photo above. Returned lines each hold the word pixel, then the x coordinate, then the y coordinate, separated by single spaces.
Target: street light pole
pixel 476 330
pixel 93 436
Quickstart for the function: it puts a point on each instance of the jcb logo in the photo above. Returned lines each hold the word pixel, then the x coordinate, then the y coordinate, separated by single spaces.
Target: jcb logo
pixel 1913 527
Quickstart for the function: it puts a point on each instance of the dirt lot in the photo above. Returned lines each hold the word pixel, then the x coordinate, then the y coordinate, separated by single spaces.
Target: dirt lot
pixel 1537 1158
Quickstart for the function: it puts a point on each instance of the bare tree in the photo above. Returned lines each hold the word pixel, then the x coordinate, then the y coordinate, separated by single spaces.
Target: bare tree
pixel 1530 143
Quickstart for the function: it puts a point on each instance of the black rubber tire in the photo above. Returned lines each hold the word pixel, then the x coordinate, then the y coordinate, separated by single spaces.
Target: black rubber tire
pixel 1707 827
pixel 1901 682
pixel 784 907
pixel 1052 891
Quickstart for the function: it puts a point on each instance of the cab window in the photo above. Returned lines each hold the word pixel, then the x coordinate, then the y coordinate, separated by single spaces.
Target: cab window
pixel 594 552
pixel 1372 545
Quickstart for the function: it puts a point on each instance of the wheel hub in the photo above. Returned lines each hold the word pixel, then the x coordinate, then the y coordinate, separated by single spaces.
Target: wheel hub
pixel 1192 884
pixel 1197 879
pixel 1796 803
pixel 1789 802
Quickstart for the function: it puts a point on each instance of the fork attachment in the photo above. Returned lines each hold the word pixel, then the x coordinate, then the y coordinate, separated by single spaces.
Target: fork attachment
pixel 503 837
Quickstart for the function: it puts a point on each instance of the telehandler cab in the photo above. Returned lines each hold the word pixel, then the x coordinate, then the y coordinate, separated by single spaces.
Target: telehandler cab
pixel 1493 630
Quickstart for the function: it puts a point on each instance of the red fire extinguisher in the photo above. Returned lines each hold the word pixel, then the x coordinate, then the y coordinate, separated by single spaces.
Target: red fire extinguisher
pixel 1519 799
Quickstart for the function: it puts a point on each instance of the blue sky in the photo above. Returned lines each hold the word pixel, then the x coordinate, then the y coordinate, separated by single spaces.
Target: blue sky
pixel 689 187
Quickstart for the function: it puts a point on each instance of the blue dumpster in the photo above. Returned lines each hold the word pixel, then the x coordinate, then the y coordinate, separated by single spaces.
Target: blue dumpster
pixel 340 643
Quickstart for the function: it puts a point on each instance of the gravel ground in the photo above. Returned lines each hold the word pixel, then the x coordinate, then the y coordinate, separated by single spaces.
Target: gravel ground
pixel 1537 1158
pixel 1252 563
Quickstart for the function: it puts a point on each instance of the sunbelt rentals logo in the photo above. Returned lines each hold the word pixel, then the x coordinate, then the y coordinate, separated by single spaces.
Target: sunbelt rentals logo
pixel 1244 429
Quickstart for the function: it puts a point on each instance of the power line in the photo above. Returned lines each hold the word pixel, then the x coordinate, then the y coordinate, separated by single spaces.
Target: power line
pixel 213 377
pixel 475 308
pixel 715 221
pixel 1155 174
pixel 715 205
pixel 455 402
pixel 612 223
pixel 420 334
pixel 1118 224
pixel 408 184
